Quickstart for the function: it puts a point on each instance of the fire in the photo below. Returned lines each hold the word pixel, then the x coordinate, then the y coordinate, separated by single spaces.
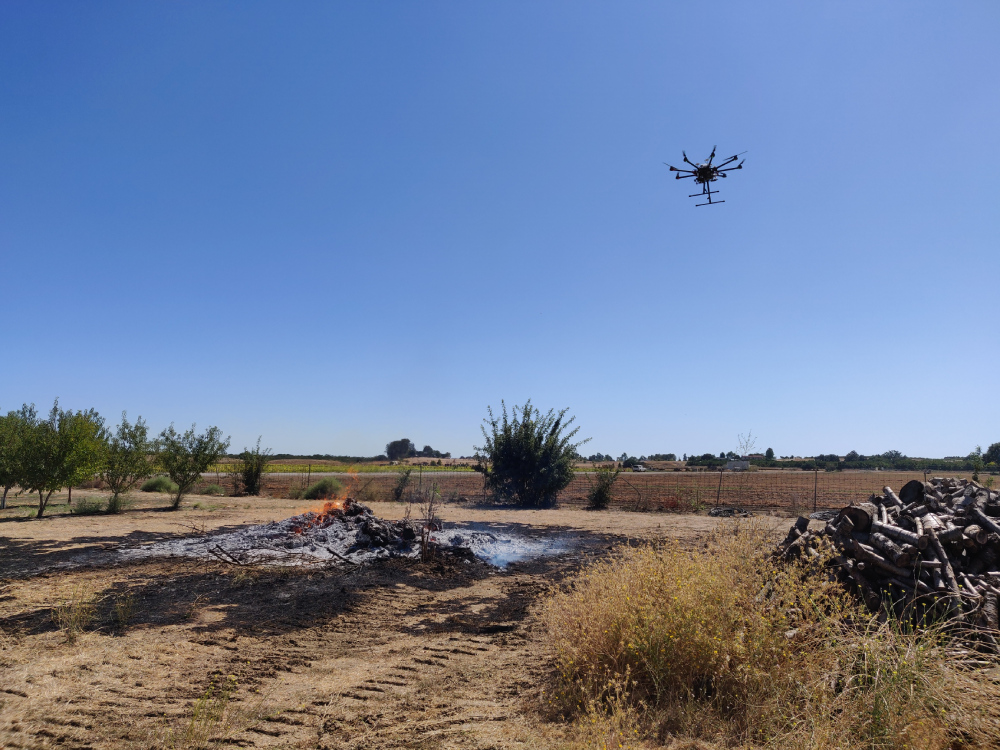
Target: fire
pixel 331 508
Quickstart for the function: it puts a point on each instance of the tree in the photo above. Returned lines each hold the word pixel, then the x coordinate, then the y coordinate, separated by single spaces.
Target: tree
pixel 12 435
pixel 60 451
pixel 527 457
pixel 852 456
pixel 976 459
pixel 400 449
pixel 992 455
pixel 892 456
pixel 248 471
pixel 185 457
pixel 769 454
pixel 126 460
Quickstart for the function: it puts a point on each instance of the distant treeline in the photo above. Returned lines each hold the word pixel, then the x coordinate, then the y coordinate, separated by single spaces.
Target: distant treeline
pixel 328 457
pixel 889 461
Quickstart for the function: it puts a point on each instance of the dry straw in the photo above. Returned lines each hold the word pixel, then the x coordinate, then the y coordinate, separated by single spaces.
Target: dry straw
pixel 725 645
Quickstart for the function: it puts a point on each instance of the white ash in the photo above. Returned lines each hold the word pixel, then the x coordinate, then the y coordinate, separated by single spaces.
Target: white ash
pixel 351 534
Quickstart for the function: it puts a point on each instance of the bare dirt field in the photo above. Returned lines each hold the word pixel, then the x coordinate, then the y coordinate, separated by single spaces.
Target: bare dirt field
pixel 398 654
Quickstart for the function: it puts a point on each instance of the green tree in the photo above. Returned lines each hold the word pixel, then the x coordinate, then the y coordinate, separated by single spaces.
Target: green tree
pixel 769 454
pixel 992 455
pixel 60 451
pixel 527 457
pixel 126 460
pixel 184 457
pixel 12 435
pixel 400 449
pixel 248 471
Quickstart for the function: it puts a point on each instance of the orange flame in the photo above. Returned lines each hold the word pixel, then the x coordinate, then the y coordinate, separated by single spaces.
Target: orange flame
pixel 323 515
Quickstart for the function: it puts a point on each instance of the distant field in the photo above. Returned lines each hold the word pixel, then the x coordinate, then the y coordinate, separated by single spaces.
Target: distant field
pixel 789 491
pixel 300 466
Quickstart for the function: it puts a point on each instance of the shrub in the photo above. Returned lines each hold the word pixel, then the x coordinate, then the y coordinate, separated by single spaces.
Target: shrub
pixel 526 458
pixel 212 489
pixel 325 488
pixel 159 484
pixel 87 506
pixel 248 471
pixel 599 495
pixel 722 644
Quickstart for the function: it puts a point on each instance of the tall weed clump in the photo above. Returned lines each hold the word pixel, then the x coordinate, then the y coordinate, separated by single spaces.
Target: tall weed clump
pixel 601 486
pixel 323 489
pixel 726 645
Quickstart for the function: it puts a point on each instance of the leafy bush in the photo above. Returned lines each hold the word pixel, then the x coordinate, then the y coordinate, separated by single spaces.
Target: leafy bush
pixel 599 495
pixel 526 458
pixel 323 489
pixel 212 489
pixel 722 644
pixel 248 470
pixel 159 484
pixel 87 506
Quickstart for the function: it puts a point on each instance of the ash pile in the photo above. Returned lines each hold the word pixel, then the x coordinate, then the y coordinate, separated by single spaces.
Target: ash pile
pixel 932 549
pixel 351 534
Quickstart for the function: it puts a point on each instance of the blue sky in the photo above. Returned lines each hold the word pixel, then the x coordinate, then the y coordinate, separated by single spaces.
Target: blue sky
pixel 337 224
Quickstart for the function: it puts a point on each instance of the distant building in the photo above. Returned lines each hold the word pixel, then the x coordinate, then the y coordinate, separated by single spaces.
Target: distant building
pixel 737 465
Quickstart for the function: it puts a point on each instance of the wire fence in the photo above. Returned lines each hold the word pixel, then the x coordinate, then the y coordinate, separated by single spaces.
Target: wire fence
pixel 795 491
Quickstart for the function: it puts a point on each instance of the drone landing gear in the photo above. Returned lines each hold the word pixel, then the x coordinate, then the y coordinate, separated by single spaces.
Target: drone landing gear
pixel 707 191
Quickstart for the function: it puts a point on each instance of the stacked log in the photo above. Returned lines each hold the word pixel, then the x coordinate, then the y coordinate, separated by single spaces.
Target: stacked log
pixel 934 546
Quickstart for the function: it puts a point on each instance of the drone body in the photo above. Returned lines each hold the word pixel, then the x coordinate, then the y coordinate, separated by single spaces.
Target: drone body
pixel 706 173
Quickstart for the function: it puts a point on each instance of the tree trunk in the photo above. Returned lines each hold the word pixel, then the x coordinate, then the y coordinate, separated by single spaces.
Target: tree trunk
pixel 43 500
pixel 69 500
pixel 3 500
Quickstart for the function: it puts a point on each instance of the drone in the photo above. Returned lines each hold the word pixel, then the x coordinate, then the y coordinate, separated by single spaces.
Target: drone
pixel 707 173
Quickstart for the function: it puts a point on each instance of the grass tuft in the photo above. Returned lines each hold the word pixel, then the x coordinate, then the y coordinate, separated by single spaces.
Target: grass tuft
pixel 73 615
pixel 724 645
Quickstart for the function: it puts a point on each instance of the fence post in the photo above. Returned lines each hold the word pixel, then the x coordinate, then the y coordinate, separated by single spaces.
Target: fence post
pixel 309 474
pixel 815 487
pixel 718 493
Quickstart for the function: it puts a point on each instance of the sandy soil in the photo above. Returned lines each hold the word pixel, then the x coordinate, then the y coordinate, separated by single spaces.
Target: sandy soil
pixel 403 654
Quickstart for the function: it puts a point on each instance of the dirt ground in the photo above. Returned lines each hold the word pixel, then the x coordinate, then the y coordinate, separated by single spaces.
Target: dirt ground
pixel 401 654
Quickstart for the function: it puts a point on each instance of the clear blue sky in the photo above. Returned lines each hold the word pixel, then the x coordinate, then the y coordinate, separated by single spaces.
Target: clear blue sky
pixel 336 224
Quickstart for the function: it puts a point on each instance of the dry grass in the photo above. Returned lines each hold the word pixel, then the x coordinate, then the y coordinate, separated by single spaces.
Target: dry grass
pixel 74 614
pixel 722 646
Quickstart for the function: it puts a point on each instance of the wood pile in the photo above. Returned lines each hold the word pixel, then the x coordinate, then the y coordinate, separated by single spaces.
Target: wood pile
pixel 933 548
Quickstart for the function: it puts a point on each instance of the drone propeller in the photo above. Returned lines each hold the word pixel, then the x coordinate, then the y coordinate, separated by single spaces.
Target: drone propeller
pixel 712 155
pixel 684 153
pixel 738 166
pixel 675 169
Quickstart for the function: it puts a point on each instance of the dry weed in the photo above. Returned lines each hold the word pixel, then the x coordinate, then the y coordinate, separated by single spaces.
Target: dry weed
pixel 216 716
pixel 124 610
pixel 73 615
pixel 724 645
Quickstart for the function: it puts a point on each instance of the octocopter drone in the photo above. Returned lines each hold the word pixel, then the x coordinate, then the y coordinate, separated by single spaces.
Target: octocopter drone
pixel 707 173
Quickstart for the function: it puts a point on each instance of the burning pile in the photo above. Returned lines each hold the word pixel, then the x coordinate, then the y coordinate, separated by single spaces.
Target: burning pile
pixel 935 546
pixel 347 532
